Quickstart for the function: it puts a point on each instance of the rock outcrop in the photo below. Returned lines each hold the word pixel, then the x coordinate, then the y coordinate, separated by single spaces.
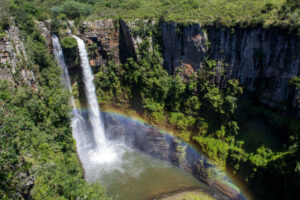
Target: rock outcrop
pixel 13 58
pixel 102 38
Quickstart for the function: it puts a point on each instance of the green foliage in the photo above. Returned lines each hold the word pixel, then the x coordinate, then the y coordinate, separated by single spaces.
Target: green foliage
pixel 38 154
pixel 152 106
pixel 23 15
pixel 92 50
pixel 185 135
pixel 68 42
pixel 4 23
pixel 228 13
pixel 214 99
pixel 72 9
pixel 295 80
pixel 55 25
pixel 174 97
pixel 289 14
pixel 123 4
pixel 237 157
pixel 262 156
pixel 108 83
pixel 192 105
pixel 158 117
pixel 147 79
pixel 216 149
pixel 180 121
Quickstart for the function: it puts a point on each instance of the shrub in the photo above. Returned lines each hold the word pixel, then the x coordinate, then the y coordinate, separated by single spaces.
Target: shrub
pixel 4 23
pixel 262 156
pixel 185 135
pixel 113 3
pixel 295 80
pixel 132 4
pixel 215 149
pixel 55 25
pixel 181 121
pixel 158 117
pixel 68 42
pixel 73 9
pixel 193 3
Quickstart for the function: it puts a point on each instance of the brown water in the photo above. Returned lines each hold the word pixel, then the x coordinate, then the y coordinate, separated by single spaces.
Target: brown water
pixel 141 177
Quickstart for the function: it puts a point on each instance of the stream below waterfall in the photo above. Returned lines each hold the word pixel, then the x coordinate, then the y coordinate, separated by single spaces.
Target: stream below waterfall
pixel 141 177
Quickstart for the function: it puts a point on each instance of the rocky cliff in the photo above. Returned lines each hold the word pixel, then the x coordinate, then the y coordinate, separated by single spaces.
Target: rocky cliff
pixel 13 58
pixel 263 60
pixel 103 37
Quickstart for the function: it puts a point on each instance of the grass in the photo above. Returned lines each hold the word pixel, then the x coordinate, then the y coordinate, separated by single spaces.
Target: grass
pixel 228 12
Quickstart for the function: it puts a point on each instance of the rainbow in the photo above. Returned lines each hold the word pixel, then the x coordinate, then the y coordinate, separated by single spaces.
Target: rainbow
pixel 223 181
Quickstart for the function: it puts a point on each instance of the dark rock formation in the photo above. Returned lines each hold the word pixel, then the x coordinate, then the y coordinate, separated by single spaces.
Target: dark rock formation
pixel 126 44
pixel 263 60
pixel 183 45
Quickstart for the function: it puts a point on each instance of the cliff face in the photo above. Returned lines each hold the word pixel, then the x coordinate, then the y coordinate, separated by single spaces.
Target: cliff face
pixel 107 40
pixel 102 38
pixel 13 58
pixel 263 60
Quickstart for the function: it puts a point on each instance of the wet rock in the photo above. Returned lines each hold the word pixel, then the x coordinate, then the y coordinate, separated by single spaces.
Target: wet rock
pixel 103 37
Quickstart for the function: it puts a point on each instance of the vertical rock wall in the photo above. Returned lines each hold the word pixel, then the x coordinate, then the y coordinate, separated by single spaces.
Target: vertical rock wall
pixel 263 60
pixel 13 58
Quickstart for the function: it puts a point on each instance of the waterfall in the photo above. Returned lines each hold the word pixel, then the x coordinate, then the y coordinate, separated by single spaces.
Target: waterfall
pixel 77 122
pixel 97 155
pixel 90 92
pixel 103 152
pixel 58 53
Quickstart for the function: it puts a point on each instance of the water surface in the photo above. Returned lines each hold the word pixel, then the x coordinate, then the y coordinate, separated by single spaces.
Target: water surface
pixel 141 177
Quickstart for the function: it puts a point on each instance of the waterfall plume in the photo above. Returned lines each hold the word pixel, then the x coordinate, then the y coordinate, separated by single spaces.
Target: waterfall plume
pixel 103 152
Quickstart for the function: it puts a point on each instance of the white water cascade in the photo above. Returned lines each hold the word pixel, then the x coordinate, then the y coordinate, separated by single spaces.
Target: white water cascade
pixel 103 152
pixel 94 150
pixel 78 123
pixel 90 92
pixel 58 53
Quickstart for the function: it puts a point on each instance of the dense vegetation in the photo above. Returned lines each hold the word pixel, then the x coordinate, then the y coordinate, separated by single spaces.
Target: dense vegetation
pixel 283 13
pixel 35 136
pixel 38 157
pixel 215 117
